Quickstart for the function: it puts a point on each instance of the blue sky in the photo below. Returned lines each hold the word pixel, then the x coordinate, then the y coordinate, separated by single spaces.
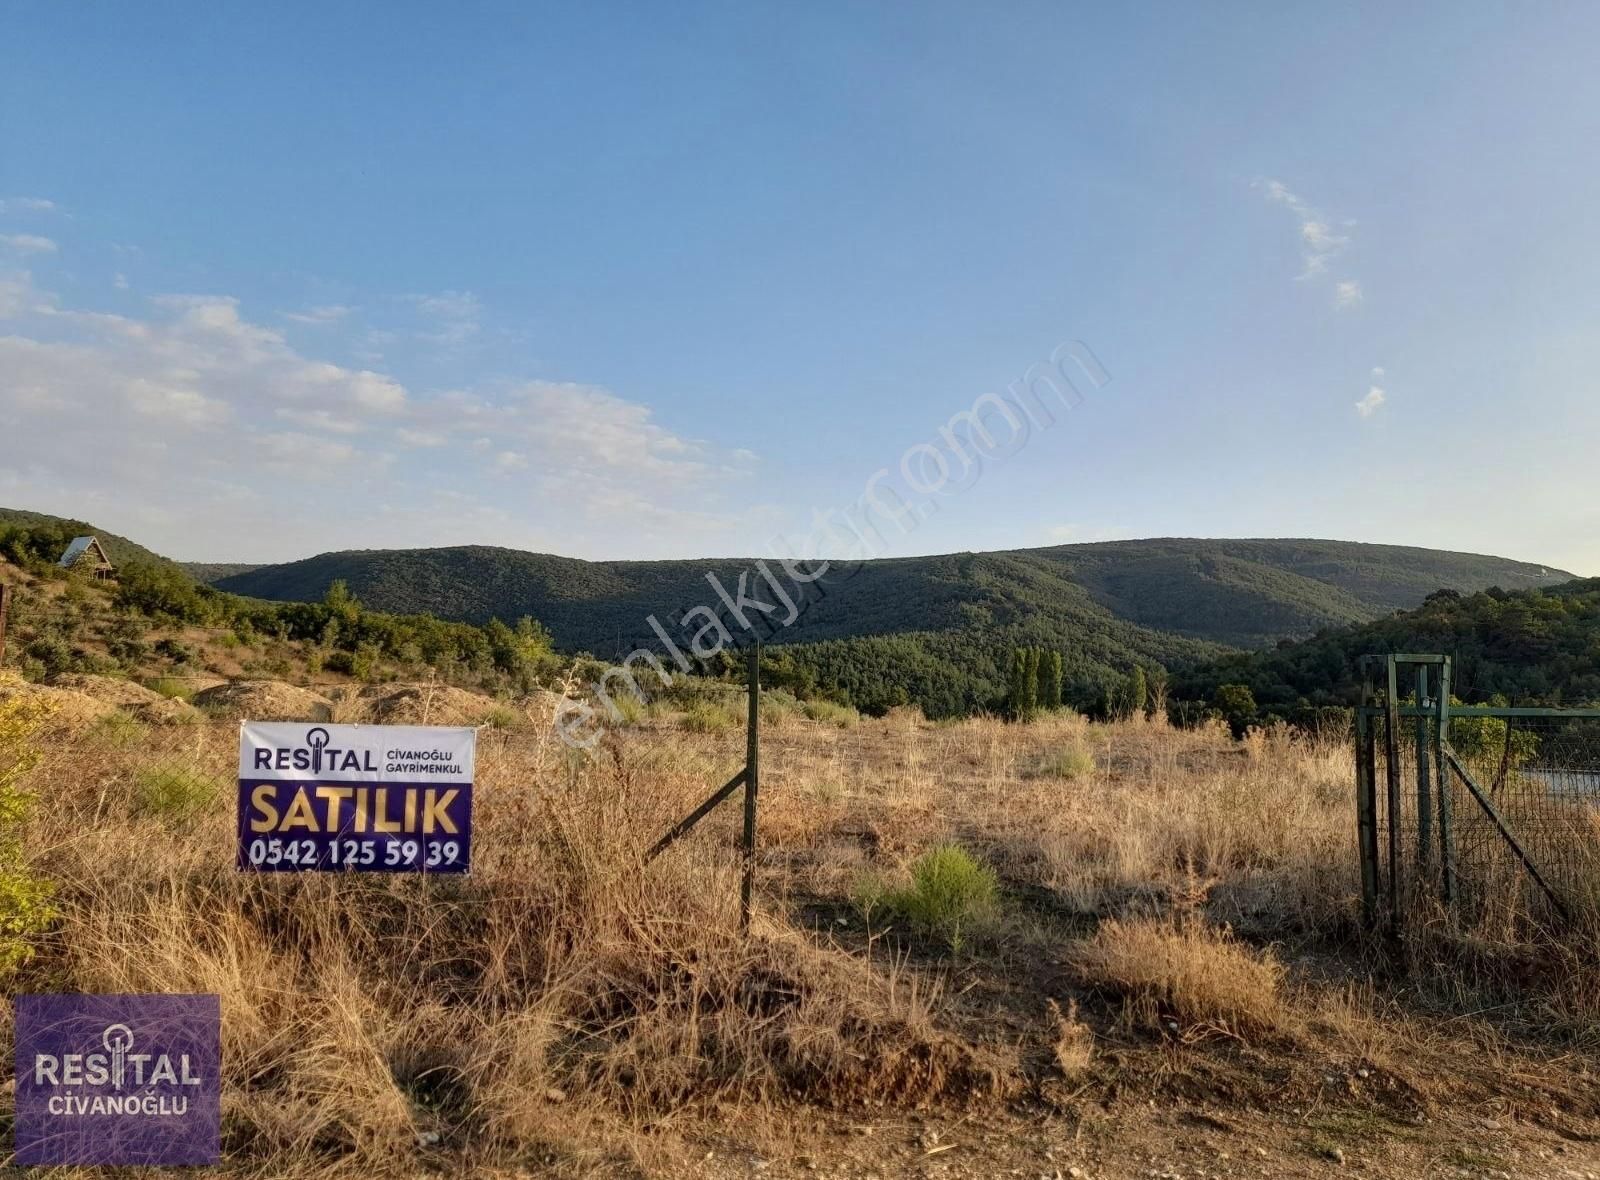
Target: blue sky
pixel 619 281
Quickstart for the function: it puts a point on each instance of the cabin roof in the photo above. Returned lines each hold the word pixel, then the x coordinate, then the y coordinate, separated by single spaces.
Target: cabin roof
pixel 80 546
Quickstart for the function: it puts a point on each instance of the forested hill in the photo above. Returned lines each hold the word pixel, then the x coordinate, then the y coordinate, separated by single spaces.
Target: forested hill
pixel 1530 646
pixel 120 550
pixel 936 631
pixel 1239 593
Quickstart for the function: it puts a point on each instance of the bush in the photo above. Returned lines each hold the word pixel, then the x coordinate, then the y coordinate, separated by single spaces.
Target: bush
pixel 832 713
pixel 1189 977
pixel 950 893
pixel 173 792
pixel 172 688
pixel 629 710
pixel 175 650
pixel 26 908
pixel 709 717
pixel 501 717
pixel 118 730
pixel 1070 763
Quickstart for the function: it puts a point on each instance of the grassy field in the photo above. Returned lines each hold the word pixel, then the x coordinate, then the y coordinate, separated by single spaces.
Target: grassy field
pixel 979 949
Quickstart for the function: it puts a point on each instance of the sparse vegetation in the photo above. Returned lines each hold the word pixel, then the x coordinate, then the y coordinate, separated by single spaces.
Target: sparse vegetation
pixel 174 791
pixel 1187 978
pixel 27 905
pixel 1069 762
pixel 565 994
pixel 951 893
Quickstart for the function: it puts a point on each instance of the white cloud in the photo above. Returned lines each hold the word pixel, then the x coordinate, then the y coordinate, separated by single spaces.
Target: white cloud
pixel 16 293
pixel 1321 239
pixel 28 243
pixel 1377 371
pixel 230 441
pixel 26 205
pixel 321 420
pixel 454 317
pixel 1370 404
pixel 120 281
pixel 304 452
pixel 327 314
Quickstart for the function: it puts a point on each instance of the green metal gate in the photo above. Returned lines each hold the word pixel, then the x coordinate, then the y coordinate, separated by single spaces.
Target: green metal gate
pixel 1488 814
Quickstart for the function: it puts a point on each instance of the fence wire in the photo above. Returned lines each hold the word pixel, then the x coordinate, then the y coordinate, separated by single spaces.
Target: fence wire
pixel 1528 849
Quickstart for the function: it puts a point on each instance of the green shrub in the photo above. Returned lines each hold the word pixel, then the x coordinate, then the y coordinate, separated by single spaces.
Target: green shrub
pixel 26 906
pixel 951 891
pixel 501 718
pixel 173 792
pixel 118 730
pixel 832 713
pixel 172 688
pixel 1072 762
pixel 175 650
pixel 708 717
pixel 629 709
pixel 775 706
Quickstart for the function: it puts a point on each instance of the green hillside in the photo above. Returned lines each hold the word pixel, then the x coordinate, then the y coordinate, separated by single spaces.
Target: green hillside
pixel 937 631
pixel 1531 646
pixel 1239 593
pixel 120 550
pixel 211 572
pixel 933 630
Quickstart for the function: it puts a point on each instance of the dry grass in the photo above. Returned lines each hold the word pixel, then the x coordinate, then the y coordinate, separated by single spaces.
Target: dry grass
pixel 1187 978
pixel 565 997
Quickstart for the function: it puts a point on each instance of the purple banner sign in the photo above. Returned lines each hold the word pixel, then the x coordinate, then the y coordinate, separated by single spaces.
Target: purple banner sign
pixel 356 798
pixel 119 1080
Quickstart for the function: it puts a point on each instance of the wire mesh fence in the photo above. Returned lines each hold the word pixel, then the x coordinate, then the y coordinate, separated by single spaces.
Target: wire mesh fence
pixel 1492 812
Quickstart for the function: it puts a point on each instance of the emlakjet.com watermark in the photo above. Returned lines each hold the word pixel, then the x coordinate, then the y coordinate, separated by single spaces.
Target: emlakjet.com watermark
pixel 775 593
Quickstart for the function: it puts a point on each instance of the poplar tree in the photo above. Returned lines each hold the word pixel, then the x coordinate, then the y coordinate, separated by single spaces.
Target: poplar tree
pixel 1016 691
pixel 1050 681
pixel 1138 691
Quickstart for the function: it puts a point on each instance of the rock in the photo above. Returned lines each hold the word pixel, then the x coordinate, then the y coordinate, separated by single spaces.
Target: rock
pixel 427 1138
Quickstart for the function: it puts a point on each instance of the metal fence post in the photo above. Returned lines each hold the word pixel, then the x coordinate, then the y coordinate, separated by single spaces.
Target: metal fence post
pixel 1366 818
pixel 752 785
pixel 1391 750
pixel 1447 835
pixel 1424 787
pixel 5 611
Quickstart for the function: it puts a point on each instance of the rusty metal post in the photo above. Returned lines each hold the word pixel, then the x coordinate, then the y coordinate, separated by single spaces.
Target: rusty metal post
pixel 752 785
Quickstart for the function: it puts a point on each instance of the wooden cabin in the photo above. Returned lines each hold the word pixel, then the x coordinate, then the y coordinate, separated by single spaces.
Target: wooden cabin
pixel 86 556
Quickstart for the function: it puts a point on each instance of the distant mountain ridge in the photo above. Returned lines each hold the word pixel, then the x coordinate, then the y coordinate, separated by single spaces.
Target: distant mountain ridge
pixel 1537 646
pixel 1236 593
pixel 935 631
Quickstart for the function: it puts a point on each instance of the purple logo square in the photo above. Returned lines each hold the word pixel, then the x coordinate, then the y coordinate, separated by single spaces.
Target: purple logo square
pixel 119 1079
